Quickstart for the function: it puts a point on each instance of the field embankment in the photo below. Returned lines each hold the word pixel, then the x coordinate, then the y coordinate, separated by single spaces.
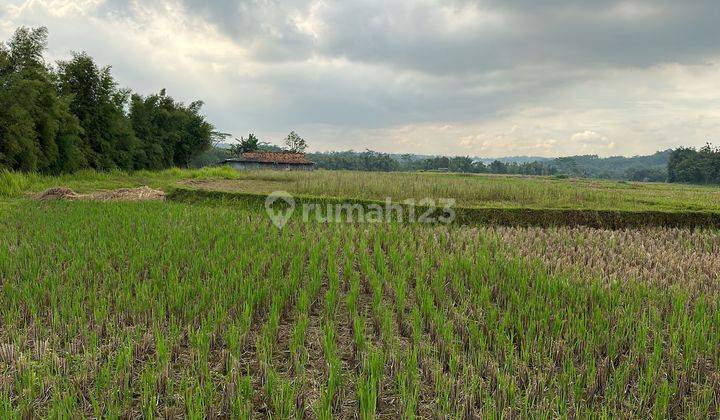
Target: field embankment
pixel 503 216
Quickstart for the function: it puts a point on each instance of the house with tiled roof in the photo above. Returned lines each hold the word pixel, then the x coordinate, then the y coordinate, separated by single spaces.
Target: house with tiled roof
pixel 271 160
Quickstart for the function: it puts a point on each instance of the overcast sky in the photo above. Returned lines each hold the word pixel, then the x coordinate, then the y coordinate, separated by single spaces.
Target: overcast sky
pixel 480 78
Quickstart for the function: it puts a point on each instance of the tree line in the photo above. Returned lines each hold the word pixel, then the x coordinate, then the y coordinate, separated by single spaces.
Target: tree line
pixel 73 115
pixel 642 168
pixel 375 161
pixel 679 165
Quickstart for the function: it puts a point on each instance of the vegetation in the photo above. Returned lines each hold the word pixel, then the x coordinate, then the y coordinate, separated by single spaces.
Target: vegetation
pixel 470 190
pixel 60 120
pixel 245 145
pixel 639 168
pixel 695 166
pixel 253 144
pixel 171 313
pixel 294 143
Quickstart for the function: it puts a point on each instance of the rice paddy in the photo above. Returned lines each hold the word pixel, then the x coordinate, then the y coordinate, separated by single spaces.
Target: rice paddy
pixel 472 190
pixel 469 190
pixel 151 309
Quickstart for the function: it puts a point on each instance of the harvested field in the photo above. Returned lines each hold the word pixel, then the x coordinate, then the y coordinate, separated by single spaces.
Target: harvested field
pixel 201 311
pixel 683 258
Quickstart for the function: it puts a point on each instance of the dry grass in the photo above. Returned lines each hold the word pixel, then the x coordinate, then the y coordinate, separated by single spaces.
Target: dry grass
pixel 689 259
pixel 121 194
pixel 479 190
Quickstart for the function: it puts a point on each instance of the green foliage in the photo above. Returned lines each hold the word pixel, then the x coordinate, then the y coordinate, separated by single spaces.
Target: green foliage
pixel 695 166
pixel 365 161
pixel 245 145
pixel 295 143
pixel 108 140
pixel 37 130
pixel 637 168
pixel 646 174
pixel 211 157
pixel 13 184
pixel 172 133
pixel 77 117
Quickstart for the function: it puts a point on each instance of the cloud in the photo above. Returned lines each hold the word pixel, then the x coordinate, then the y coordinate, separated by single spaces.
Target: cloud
pixel 551 77
pixel 589 138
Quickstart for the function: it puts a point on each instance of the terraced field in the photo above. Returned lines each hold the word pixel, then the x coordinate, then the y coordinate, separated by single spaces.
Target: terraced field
pixel 165 309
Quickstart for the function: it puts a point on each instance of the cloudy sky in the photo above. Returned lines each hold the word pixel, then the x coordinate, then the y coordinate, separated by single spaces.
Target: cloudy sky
pixel 461 77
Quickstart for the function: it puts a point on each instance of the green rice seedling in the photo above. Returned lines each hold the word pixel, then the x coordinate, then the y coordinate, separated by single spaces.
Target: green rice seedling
pixel 297 343
pixel 281 394
pixel 177 310
pixel 408 384
pixel 369 383
pixel 359 334
pixel 329 393
pixel 241 403
pixel 149 396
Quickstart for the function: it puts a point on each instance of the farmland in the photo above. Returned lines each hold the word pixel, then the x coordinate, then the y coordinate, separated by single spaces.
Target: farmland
pixel 470 190
pixel 168 309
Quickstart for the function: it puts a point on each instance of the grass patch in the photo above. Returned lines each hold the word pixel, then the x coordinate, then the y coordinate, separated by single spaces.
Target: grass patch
pixel 13 184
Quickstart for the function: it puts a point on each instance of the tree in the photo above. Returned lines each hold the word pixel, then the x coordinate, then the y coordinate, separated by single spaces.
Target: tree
pixel 37 130
pixel 646 174
pixel 497 167
pixel 682 166
pixel 295 143
pixel 461 164
pixel 265 146
pixel 695 166
pixel 77 116
pixel 171 134
pixel 108 139
pixel 245 145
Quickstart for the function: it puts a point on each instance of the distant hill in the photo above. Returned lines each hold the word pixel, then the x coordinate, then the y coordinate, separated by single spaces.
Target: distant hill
pixel 636 168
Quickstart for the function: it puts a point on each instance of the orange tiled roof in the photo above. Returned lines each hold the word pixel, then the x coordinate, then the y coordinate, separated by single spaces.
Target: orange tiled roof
pixel 275 157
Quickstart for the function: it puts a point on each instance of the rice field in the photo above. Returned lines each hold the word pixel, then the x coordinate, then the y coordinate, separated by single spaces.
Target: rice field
pixel 469 190
pixel 153 309
pixel 473 190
